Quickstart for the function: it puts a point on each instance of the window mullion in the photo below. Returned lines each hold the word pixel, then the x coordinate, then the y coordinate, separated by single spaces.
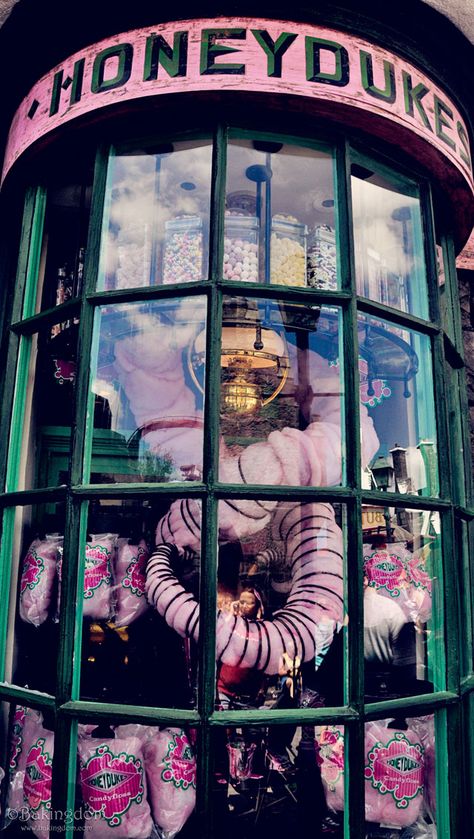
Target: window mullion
pixel 63 790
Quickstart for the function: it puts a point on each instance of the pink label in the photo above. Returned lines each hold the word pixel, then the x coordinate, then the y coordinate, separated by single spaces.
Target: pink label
pixel 17 736
pixel 396 768
pixel 331 760
pixel 111 783
pixel 385 570
pixel 372 392
pixel 38 772
pixel 418 575
pixel 135 576
pixel 33 566
pixel 97 570
pixel 180 765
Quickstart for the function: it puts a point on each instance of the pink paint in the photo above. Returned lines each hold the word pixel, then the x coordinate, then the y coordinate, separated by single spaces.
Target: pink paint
pixel 317 63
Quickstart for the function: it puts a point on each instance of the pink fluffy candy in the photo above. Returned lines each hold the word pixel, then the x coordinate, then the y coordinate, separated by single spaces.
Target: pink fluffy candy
pixel 37 783
pixel 171 775
pixel 26 727
pixel 129 581
pixel 37 579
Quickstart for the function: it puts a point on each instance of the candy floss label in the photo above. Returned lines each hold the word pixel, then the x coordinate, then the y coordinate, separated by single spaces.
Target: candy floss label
pixel 37 783
pixel 418 575
pixel 97 569
pixel 180 766
pixel 384 570
pixel 111 783
pixel 331 745
pixel 32 570
pixel 396 768
pixel 134 578
pixel 17 738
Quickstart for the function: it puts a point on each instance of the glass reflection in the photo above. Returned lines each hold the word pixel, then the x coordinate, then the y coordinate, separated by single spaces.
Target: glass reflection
pixel 36 538
pixel 280 605
pixel 148 408
pixel 388 241
pixel 396 386
pixel 134 626
pixel 281 394
pixel 280 222
pixel 48 406
pixel 403 617
pixel 156 226
pixel 268 781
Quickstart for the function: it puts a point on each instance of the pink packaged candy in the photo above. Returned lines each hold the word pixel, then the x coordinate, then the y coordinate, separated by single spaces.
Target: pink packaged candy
pixel 171 774
pixel 129 578
pixel 401 575
pixel 37 579
pixel 37 784
pixel 99 553
pixel 330 740
pixel 26 727
pixel 114 791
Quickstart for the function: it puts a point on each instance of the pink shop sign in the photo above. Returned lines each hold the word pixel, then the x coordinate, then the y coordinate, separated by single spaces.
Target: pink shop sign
pixel 243 54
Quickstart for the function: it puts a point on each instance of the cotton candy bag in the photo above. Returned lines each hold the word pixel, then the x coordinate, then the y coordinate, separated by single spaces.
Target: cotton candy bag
pixel 26 727
pixel 171 774
pixel 129 581
pixel 114 789
pixel 37 784
pixel 330 741
pixel 394 775
pixel 37 579
pixel 97 597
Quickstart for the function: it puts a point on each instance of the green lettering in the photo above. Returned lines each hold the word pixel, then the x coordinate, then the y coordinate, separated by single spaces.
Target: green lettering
pixel 441 111
pixel 465 153
pixel 124 53
pixel 60 83
pixel 173 59
pixel 211 50
pixel 274 50
pixel 389 92
pixel 412 96
pixel 314 46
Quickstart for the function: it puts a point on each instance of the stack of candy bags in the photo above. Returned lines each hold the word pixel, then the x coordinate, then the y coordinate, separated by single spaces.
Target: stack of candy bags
pixel 135 782
pixel 399 773
pixel 114 580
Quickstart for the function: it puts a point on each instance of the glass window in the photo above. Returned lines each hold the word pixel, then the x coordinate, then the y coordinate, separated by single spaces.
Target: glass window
pixel 138 637
pixel 396 385
pixel 403 603
pixel 280 220
pixel 33 540
pixel 147 405
pixel 280 597
pixel 388 241
pixel 156 225
pixel 281 392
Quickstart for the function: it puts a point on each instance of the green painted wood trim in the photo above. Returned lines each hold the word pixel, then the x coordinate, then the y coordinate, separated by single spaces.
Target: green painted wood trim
pixel 34 256
pixel 147 293
pixel 379 310
pixel 174 489
pixel 6 550
pixel 354 648
pixel 467 685
pixel 64 777
pixel 445 465
pixel 296 716
pixel 23 498
pixel 23 696
pixel 450 582
pixel 414 705
pixel 18 414
pixel 410 502
pixel 92 712
pixel 354 787
pixel 48 317
pixel 429 246
pixel 448 769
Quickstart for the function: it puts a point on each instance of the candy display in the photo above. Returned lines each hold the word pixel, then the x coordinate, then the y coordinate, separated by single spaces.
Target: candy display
pixel 396 572
pixel 99 556
pixel 26 727
pixel 37 579
pixel 129 581
pixel 114 789
pixel 321 258
pixel 133 256
pixel 288 251
pixel 37 783
pixel 183 250
pixel 241 248
pixel 171 774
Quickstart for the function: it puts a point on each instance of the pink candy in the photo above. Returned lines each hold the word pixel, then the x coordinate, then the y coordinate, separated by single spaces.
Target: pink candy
pixel 37 783
pixel 129 578
pixel 171 774
pixel 26 727
pixel 37 579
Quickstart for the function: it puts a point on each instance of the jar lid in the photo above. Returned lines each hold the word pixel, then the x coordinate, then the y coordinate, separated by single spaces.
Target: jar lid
pixel 184 223
pixel 241 223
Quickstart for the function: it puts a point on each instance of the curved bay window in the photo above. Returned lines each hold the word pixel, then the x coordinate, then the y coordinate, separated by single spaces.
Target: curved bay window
pixel 229 533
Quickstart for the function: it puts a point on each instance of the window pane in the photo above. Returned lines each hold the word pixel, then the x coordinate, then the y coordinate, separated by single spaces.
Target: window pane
pixel 388 241
pixel 400 777
pixel 280 605
pixel 280 222
pixel 156 225
pixel 134 631
pixel 148 405
pixel 64 240
pixel 280 377
pixel 403 611
pixel 396 385
pixel 47 406
pixel 268 782
pixel 33 540
pixel 29 738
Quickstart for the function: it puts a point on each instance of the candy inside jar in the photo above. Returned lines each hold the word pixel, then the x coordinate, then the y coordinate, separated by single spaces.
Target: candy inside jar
pixel 240 248
pixel 288 251
pixel 321 260
pixel 183 250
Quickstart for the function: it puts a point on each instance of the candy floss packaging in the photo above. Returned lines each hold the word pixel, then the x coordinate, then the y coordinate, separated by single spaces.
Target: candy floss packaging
pixel 37 579
pixel 129 581
pixel 114 790
pixel 171 774
pixel 26 726
pixel 330 740
pixel 97 600
pixel 37 783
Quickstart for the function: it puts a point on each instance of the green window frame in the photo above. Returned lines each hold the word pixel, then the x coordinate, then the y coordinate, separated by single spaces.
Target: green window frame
pixel 453 706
